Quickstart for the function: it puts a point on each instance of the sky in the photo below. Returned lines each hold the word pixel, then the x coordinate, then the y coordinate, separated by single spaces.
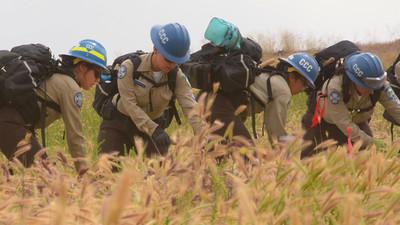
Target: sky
pixel 123 26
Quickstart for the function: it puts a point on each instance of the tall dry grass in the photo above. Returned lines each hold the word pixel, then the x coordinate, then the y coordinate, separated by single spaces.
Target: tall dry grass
pixel 188 186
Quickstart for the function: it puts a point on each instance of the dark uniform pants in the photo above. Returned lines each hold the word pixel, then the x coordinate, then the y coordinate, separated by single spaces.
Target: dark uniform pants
pixel 306 120
pixel 116 135
pixel 224 110
pixel 325 131
pixel 12 131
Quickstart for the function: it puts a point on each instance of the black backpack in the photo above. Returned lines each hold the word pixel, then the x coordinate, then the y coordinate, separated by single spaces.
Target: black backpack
pixel 235 70
pixel 329 57
pixel 23 69
pixel 395 84
pixel 108 88
pixel 392 76
pixel 328 60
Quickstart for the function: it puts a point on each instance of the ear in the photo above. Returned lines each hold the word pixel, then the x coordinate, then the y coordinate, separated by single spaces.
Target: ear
pixel 82 67
pixel 292 79
pixel 79 70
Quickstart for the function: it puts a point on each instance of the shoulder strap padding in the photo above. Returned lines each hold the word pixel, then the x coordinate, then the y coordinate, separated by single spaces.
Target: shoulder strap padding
pixel 269 88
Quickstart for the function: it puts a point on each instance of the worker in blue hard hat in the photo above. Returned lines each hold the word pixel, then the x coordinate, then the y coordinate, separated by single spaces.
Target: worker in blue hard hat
pixel 347 102
pixel 273 90
pixel 146 85
pixel 59 96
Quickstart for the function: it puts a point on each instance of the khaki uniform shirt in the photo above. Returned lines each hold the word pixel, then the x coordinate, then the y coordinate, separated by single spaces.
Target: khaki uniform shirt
pixel 345 115
pixel 275 111
pixel 65 92
pixel 135 96
pixel 397 69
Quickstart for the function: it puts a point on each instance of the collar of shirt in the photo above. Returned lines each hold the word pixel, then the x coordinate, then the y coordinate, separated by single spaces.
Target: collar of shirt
pixel 146 70
pixel 145 65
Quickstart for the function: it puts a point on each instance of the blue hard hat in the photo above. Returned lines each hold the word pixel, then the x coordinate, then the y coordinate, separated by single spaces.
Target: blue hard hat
pixel 90 51
pixel 365 70
pixel 223 34
pixel 306 65
pixel 172 41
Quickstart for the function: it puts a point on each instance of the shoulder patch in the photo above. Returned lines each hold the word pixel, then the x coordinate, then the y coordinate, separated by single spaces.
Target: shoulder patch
pixel 392 95
pixel 78 99
pixel 122 71
pixel 334 97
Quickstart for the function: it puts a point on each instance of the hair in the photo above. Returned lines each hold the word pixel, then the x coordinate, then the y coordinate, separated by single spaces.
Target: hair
pixel 67 65
pixel 67 61
pixel 282 69
pixel 283 66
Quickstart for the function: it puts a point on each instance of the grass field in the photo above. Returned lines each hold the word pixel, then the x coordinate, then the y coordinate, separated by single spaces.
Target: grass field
pixel 188 187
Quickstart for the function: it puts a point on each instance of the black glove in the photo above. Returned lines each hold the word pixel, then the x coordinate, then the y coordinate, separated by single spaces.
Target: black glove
pixel 160 138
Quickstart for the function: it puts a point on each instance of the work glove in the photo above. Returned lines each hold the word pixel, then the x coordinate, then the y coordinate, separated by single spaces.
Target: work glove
pixel 81 167
pixel 160 138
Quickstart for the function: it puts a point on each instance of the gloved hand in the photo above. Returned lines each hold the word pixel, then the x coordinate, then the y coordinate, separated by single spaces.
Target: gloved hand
pixel 81 167
pixel 160 138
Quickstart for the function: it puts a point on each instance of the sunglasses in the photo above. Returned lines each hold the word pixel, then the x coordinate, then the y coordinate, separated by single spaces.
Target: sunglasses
pixel 305 82
pixel 374 82
pixel 97 70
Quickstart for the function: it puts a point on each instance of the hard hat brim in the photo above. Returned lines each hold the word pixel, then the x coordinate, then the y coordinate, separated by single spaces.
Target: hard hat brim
pixel 103 68
pixel 375 83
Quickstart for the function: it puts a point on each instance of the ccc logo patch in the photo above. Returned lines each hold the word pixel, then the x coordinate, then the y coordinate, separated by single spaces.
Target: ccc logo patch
pixel 163 36
pixel 357 70
pixel 306 65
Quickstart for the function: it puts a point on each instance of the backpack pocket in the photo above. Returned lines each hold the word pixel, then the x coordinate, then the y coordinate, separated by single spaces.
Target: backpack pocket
pixel 235 73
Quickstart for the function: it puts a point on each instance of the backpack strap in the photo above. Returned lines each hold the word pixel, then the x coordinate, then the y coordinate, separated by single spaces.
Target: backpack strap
pixel 345 88
pixel 253 98
pixel 392 77
pixel 269 88
pixel 392 67
pixel 46 104
pixel 375 96
pixel 319 114
pixel 50 104
pixel 136 60
pixel 253 113
pixel 43 111
pixel 172 84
